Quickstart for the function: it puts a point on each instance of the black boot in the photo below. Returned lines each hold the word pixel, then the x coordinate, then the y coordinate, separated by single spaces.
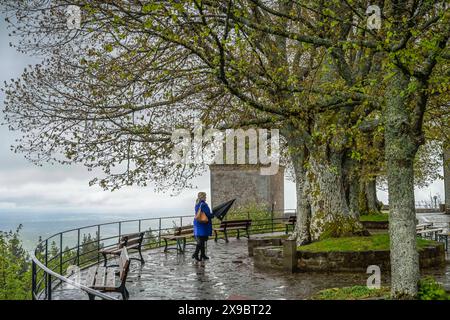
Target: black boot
pixel 195 255
pixel 203 255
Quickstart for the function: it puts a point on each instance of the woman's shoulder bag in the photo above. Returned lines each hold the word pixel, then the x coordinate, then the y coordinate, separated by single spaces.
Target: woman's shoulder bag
pixel 200 216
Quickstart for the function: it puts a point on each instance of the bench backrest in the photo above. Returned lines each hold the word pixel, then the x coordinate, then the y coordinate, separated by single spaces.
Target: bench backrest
pixel 124 264
pixel 131 238
pixel 179 231
pixel 292 219
pixel 235 223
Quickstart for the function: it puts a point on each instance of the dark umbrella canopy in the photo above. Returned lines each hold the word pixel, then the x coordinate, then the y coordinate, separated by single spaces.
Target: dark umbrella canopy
pixel 221 210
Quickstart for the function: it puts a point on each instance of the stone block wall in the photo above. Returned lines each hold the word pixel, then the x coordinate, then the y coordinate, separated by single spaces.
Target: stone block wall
pixel 270 256
pixel 262 242
pixel 344 261
pixel 246 184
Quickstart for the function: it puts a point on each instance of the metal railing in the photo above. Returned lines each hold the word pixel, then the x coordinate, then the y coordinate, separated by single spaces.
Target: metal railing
pixel 77 247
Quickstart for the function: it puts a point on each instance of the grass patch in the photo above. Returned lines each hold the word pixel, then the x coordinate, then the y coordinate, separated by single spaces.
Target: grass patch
pixel 373 242
pixel 375 217
pixel 428 289
pixel 352 293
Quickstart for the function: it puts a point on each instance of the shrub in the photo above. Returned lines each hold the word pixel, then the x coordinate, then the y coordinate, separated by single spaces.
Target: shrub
pixel 15 282
pixel 430 289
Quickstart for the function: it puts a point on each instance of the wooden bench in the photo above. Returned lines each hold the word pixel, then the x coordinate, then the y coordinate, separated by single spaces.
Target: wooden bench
pixel 133 241
pixel 432 231
pixel 422 226
pixel 180 234
pixel 103 279
pixel 238 225
pixel 292 220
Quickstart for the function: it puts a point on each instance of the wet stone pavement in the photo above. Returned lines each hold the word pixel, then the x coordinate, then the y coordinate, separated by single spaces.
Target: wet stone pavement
pixel 229 273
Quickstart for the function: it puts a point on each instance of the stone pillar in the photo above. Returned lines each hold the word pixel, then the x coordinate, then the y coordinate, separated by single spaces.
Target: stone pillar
pixel 290 255
pixel 447 178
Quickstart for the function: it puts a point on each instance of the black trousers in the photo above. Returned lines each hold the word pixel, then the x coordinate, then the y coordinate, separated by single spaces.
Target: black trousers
pixel 201 241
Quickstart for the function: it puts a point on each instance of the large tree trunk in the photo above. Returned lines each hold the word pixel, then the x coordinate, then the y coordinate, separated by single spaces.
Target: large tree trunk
pixel 352 185
pixel 330 212
pixel 370 191
pixel 302 227
pixel 400 149
pixel 299 156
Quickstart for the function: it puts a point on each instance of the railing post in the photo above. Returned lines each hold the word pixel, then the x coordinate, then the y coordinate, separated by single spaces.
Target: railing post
pixel 46 275
pixel 272 214
pixel 60 254
pixel 181 221
pixel 49 287
pixel 98 244
pixel 159 230
pixel 139 225
pixel 120 230
pixel 33 279
pixel 78 248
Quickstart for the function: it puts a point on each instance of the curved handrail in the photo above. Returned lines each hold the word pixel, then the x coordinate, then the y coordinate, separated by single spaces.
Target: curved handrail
pixel 69 281
pixel 48 273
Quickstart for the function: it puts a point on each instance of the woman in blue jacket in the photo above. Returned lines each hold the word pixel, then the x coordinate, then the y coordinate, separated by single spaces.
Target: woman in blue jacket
pixel 202 230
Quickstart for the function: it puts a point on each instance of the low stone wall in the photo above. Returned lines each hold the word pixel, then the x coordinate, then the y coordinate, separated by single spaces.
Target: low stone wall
pixel 382 225
pixel 262 242
pixel 354 261
pixel 271 257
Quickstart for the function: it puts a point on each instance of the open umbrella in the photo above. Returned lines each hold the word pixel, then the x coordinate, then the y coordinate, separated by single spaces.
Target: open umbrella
pixel 221 210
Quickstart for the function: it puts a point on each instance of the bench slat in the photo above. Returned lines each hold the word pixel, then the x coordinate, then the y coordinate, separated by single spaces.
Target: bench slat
pixel 171 237
pixel 231 228
pixel 110 278
pixel 124 264
pixel 235 223
pixel 101 277
pixel 90 280
pixel 104 278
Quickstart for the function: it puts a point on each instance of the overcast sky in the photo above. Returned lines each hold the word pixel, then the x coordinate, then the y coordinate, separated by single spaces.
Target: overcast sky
pixel 28 188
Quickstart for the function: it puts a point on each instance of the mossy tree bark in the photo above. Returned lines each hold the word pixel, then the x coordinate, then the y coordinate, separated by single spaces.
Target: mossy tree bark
pixel 331 215
pixel 302 230
pixel 370 191
pixel 299 157
pixel 401 147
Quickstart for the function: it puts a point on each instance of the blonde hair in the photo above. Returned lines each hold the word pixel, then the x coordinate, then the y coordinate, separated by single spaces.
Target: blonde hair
pixel 200 196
